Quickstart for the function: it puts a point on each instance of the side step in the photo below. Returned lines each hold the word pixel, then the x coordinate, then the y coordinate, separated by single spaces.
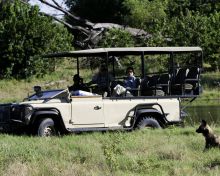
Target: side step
pixel 97 129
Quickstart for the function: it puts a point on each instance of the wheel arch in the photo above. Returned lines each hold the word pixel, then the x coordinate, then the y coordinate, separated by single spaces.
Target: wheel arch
pixel 151 112
pixel 52 113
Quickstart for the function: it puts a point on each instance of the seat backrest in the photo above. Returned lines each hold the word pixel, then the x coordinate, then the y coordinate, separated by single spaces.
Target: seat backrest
pixel 153 80
pixel 138 82
pixel 193 73
pixel 164 79
pixel 181 76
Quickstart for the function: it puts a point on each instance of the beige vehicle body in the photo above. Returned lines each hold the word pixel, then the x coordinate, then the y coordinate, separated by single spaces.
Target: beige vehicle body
pixel 81 112
pixel 51 112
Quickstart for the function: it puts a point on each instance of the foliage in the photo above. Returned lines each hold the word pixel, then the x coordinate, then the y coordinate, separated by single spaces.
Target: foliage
pixel 169 22
pixel 196 30
pixel 176 8
pixel 111 11
pixel 117 38
pixel 195 23
pixel 147 15
pixel 210 41
pixel 25 35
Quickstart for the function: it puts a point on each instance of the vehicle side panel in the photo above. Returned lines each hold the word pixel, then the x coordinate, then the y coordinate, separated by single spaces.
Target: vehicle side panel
pixel 116 111
pixel 64 108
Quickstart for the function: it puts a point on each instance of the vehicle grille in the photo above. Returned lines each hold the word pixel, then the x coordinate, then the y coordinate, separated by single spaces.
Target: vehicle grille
pixel 18 112
pixel 5 111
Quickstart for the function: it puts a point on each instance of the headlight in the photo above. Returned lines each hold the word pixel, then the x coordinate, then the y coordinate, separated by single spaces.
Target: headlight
pixel 21 113
pixel 28 112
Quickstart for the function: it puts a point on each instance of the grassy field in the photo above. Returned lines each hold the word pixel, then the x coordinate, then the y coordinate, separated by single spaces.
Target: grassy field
pixel 173 151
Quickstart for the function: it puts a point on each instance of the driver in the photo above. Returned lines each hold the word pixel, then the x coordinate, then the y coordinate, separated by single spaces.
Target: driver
pixel 78 84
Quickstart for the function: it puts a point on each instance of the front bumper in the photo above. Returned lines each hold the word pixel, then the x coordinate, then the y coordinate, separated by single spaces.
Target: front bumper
pixel 13 116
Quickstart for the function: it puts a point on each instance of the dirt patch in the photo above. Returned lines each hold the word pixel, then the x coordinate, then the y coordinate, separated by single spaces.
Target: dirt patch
pixel 17 169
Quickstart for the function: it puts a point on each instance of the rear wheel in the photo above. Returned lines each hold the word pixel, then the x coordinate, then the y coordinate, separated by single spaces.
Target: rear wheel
pixel 46 128
pixel 147 122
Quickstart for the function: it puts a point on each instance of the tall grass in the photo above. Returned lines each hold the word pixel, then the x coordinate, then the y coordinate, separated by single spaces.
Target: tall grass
pixel 174 151
pixel 12 90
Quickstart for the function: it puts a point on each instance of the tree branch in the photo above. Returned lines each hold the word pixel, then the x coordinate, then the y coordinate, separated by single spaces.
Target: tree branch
pixel 88 34
pixel 78 19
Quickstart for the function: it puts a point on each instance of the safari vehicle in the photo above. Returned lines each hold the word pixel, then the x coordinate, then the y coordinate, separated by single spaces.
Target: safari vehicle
pixel 157 102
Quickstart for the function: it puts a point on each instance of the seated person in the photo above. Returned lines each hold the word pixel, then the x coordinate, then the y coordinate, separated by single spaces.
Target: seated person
pixel 78 84
pixel 130 82
pixel 102 79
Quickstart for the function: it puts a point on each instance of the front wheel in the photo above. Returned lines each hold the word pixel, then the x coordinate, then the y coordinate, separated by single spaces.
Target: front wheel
pixel 147 122
pixel 46 128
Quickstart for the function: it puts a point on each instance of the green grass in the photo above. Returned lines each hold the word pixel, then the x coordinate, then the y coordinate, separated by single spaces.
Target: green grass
pixel 211 91
pixel 173 151
pixel 13 90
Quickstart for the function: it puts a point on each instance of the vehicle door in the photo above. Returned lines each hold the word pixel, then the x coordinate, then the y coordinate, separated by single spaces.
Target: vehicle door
pixel 87 111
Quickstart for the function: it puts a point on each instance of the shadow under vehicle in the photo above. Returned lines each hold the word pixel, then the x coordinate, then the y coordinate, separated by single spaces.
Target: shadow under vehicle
pixel 155 102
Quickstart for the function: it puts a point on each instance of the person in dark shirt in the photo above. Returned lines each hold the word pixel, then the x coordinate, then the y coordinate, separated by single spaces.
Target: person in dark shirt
pixel 130 81
pixel 78 84
pixel 102 80
pixel 129 86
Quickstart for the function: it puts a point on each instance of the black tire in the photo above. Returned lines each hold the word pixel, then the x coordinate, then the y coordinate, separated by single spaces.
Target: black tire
pixel 46 128
pixel 147 121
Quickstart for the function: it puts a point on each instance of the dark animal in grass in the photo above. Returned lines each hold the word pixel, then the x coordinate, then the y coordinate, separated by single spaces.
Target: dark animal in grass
pixel 211 139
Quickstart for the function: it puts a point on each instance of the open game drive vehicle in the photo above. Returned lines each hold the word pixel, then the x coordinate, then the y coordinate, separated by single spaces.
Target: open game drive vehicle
pixel 155 102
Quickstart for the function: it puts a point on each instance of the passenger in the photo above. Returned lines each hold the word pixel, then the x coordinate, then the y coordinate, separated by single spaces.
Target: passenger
pixel 102 79
pixel 130 82
pixel 78 84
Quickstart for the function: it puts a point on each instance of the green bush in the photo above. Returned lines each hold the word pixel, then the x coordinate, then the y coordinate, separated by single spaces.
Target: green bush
pixel 24 36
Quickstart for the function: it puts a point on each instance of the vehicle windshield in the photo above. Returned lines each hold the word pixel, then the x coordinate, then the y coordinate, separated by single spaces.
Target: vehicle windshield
pixel 46 94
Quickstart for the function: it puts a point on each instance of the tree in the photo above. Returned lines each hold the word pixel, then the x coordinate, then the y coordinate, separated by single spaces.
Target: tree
pixel 178 7
pixel 148 15
pixel 195 23
pixel 99 11
pixel 24 37
pixel 117 38
pixel 211 42
pixel 88 34
pixel 143 15
pixel 168 22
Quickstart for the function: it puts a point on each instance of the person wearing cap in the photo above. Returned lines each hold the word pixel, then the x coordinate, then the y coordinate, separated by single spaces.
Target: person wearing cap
pixel 78 84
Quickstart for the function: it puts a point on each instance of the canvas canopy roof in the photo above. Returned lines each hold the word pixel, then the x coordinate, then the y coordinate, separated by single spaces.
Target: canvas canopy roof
pixel 125 51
